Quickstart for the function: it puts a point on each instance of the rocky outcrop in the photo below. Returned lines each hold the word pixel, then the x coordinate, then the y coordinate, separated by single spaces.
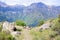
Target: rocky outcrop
pixel 11 28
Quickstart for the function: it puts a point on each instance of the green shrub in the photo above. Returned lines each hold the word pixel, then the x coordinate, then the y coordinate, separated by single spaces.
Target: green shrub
pixel 41 22
pixel 57 38
pixel 56 25
pixel 4 36
pixel 44 35
pixel 20 23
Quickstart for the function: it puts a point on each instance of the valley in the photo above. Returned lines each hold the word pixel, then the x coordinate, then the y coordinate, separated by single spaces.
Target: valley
pixel 38 21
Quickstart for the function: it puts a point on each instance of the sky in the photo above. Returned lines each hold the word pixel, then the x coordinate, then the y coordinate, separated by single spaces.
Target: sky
pixel 28 2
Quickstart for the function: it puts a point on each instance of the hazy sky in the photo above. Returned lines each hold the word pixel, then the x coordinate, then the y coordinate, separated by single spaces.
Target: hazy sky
pixel 28 2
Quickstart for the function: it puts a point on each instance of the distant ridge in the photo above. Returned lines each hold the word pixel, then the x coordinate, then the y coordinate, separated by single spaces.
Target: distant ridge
pixel 31 14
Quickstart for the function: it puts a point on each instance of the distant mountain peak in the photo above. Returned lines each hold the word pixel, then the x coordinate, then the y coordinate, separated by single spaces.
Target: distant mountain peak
pixel 31 14
pixel 40 4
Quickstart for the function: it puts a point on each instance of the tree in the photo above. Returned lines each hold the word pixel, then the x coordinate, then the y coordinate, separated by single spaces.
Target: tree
pixel 20 23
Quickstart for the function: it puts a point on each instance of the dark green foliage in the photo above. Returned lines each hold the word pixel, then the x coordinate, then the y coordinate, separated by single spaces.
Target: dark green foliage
pixel 20 23
pixel 41 22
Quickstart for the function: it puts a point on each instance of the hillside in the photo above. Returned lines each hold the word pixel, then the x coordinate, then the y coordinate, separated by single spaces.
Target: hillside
pixel 50 30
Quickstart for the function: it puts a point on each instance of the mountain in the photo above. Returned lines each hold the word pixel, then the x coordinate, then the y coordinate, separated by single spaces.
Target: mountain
pixel 2 4
pixel 31 14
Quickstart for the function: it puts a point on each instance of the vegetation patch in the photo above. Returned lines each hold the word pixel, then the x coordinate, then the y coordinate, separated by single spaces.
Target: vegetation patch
pixel 20 23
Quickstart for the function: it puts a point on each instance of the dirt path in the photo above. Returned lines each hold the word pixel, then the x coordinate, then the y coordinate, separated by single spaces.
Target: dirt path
pixel 26 34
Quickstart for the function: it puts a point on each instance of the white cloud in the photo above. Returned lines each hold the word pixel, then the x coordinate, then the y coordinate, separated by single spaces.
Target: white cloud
pixel 28 2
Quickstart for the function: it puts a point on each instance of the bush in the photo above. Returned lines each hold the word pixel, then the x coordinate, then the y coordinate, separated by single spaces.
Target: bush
pixel 57 38
pixel 41 23
pixel 44 35
pixel 20 23
pixel 4 36
pixel 56 26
